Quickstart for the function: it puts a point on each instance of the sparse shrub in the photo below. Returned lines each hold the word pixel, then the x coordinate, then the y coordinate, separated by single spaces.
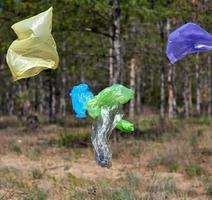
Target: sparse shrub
pixel 71 139
pixel 36 194
pixel 170 156
pixel 15 148
pixel 154 128
pixel 162 188
pixel 123 194
pixel 36 153
pixel 203 120
pixel 76 181
pixel 209 189
pixel 193 139
pixel 133 181
pixel 37 174
pixel 193 169
pixel 173 166
pixel 207 183
pixel 79 195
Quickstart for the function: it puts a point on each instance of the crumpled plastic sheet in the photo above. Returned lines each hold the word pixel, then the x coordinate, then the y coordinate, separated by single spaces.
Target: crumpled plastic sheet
pixel 101 132
pixel 187 39
pixel 35 49
pixel 114 95
pixel 80 94
pixel 106 107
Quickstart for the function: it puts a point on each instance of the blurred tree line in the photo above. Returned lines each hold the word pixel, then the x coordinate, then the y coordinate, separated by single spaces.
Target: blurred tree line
pixel 111 41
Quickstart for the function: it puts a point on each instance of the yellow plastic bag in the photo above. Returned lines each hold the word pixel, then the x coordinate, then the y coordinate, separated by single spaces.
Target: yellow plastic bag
pixel 35 49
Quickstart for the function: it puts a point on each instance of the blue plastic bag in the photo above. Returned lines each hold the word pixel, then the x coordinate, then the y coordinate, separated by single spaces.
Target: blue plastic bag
pixel 187 39
pixel 80 94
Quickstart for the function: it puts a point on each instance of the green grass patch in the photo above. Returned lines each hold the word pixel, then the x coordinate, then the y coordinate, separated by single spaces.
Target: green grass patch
pixel 70 139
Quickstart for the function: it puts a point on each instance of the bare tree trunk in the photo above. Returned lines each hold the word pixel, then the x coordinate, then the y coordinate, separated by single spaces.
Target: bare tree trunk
pixel 138 90
pixel 198 92
pixel 132 86
pixel 162 74
pixel 34 95
pixel 62 105
pixel 10 102
pixel 52 100
pixel 186 94
pixel 111 60
pixel 110 66
pixel 171 84
pixel 174 90
pixel 190 93
pixel 117 63
pixel 209 77
pixel 41 95
pixel 171 111
pixel 162 92
pixel 62 96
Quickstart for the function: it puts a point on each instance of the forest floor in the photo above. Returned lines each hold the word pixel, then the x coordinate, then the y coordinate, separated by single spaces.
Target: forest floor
pixel 173 161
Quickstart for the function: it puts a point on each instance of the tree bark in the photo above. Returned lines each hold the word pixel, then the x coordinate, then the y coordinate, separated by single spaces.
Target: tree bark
pixel 52 100
pixel 132 86
pixel 186 94
pixel 111 58
pixel 116 45
pixel 171 83
pixel 198 87
pixel 138 90
pixel 171 92
pixel 162 92
pixel 62 96
pixel 162 74
pixel 209 77
pixel 62 105
pixel 190 92
pixel 41 95
pixel 10 101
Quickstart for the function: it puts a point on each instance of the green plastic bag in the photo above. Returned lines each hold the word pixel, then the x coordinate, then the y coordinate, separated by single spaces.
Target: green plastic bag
pixel 107 108
pixel 125 126
pixel 110 96
pixel 35 49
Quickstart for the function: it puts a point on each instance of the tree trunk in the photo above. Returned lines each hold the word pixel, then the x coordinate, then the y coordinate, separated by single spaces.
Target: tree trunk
pixel 186 94
pixel 162 92
pixel 209 82
pixel 198 92
pixel 190 93
pixel 162 74
pixel 41 95
pixel 174 90
pixel 111 61
pixel 117 63
pixel 171 84
pixel 132 86
pixel 62 96
pixel 170 93
pixel 10 102
pixel 62 105
pixel 138 90
pixel 52 100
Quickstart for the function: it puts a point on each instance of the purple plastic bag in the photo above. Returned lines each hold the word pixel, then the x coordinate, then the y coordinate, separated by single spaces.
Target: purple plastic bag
pixel 187 39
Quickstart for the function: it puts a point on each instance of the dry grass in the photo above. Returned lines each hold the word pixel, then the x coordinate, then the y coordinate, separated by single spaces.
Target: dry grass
pixel 172 161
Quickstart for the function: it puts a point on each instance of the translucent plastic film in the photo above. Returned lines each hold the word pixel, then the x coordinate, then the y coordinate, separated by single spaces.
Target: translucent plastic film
pixel 187 39
pixel 106 122
pixel 80 94
pixel 35 49
pixel 110 96
pixel 106 108
pixel 125 126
